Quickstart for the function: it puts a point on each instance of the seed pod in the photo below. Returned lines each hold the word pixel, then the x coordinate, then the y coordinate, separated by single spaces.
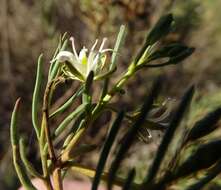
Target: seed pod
pixel 204 157
pixel 205 126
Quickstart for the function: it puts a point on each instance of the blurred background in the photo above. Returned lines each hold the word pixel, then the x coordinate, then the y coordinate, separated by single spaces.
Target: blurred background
pixel 30 27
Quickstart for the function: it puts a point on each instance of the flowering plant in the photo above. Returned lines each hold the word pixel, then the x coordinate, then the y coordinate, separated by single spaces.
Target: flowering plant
pixel 87 67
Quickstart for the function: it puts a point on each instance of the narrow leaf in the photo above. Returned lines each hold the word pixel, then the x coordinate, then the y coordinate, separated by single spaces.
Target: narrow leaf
pixel 172 60
pixel 205 126
pixel 161 29
pixel 29 167
pixel 69 118
pixel 13 128
pixel 204 157
pixel 180 57
pixel 19 167
pixel 119 42
pixel 36 95
pixel 170 50
pixel 68 103
pixel 106 149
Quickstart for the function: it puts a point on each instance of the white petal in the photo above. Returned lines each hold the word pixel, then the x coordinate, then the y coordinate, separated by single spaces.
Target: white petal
pixel 73 47
pixel 90 60
pixel 63 56
pixel 95 62
pixel 83 54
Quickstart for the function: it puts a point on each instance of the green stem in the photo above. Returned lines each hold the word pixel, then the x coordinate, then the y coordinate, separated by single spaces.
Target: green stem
pixel 45 118
pixel 130 72
pixel 57 179
pixel 43 155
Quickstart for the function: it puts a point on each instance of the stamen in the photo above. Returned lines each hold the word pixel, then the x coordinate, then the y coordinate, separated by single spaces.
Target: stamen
pixel 73 47
pixel 94 45
pixel 102 44
pixel 107 50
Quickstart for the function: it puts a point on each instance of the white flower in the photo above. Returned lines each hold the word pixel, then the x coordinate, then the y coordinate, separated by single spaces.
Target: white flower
pixel 84 62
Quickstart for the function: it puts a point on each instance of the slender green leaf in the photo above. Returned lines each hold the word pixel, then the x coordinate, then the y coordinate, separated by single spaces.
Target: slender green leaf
pixel 36 95
pixel 205 126
pixel 204 157
pixel 29 167
pixel 180 57
pixel 119 42
pixel 161 29
pixel 106 149
pixel 170 50
pixel 69 118
pixel 19 167
pixel 13 127
pixel 173 59
pixel 68 103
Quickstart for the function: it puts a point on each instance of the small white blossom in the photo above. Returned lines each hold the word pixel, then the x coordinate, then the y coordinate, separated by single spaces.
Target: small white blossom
pixel 85 61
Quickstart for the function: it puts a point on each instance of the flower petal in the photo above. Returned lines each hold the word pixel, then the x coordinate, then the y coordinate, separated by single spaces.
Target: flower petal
pixel 83 56
pixel 64 56
pixel 73 47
